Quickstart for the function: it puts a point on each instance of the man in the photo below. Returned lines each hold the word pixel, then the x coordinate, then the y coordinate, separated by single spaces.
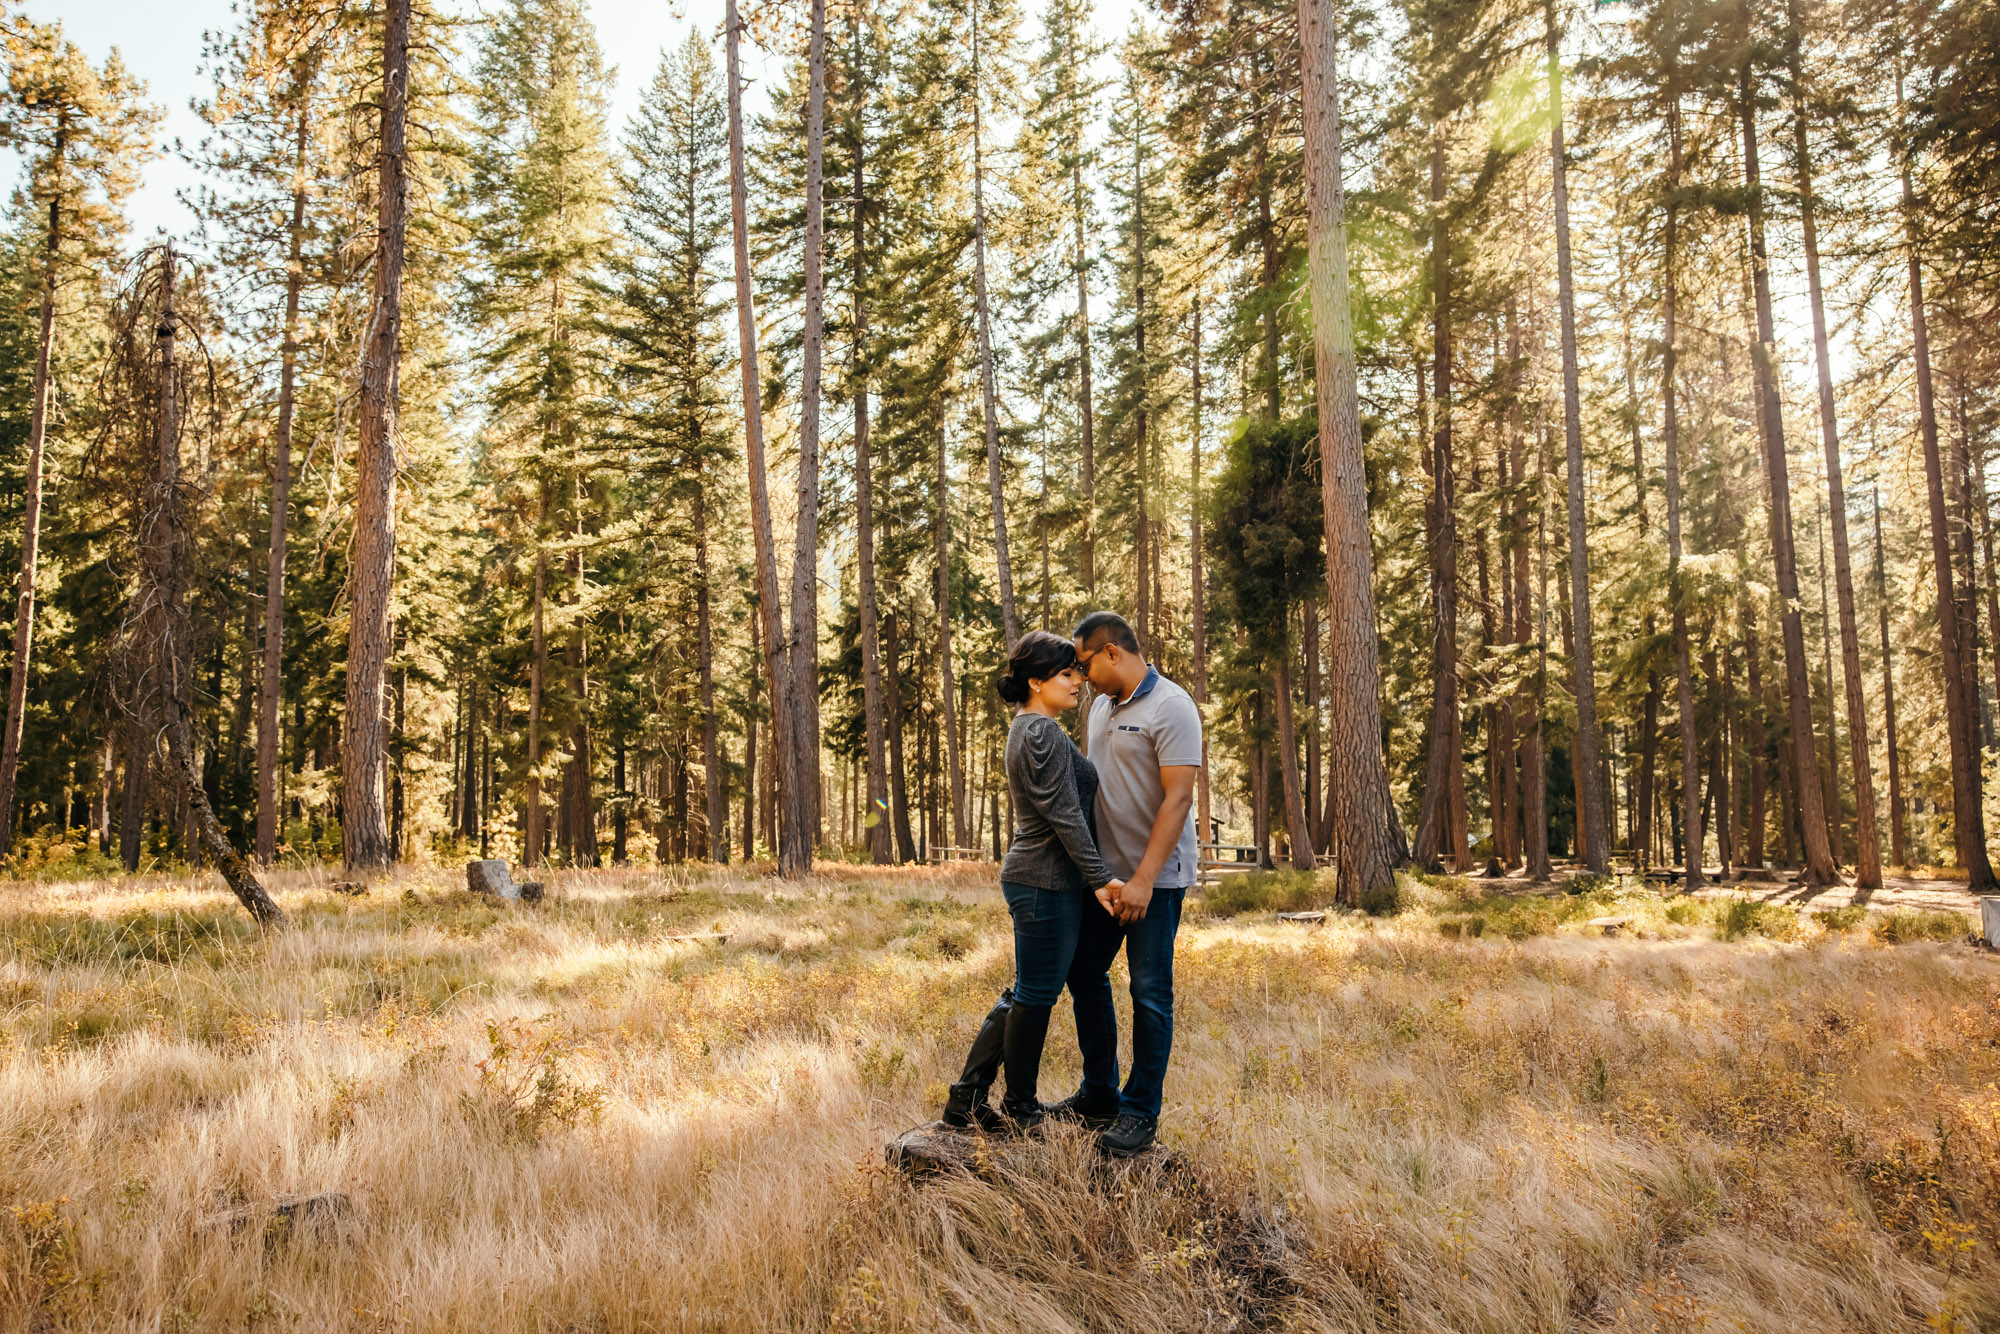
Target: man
pixel 1144 737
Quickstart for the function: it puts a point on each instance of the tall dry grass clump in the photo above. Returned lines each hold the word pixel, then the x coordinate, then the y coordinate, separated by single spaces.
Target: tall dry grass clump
pixel 660 1104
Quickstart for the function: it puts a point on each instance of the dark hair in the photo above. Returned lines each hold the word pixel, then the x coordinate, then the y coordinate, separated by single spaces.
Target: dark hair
pixel 1037 656
pixel 1106 625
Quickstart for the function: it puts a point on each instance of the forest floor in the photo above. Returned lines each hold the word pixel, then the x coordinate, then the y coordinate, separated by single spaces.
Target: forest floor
pixel 659 1102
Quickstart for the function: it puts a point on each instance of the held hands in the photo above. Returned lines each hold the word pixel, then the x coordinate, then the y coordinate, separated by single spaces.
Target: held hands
pixel 1126 900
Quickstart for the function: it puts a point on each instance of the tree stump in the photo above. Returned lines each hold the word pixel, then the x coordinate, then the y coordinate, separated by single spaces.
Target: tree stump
pixel 493 877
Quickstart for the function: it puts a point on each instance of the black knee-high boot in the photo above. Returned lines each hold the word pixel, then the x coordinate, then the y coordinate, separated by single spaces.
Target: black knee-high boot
pixel 1027 1030
pixel 967 1106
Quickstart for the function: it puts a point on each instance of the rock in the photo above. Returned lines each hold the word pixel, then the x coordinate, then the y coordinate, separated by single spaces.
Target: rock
pixel 937 1147
pixel 530 892
pixel 491 877
pixel 353 888
pixel 321 1218
pixel 1989 920
pixel 1302 917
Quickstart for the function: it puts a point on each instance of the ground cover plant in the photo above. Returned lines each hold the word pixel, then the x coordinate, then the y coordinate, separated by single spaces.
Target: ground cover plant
pixel 660 1101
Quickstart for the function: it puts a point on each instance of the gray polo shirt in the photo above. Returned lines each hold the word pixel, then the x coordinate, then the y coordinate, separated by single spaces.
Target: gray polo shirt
pixel 1157 726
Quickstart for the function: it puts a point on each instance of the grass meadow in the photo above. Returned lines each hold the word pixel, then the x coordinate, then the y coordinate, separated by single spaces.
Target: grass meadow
pixel 659 1102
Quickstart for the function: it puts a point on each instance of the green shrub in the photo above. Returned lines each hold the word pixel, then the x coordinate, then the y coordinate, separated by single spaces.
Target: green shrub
pixel 1684 912
pixel 1589 884
pixel 1901 927
pixel 1396 896
pixel 1740 917
pixel 1462 928
pixel 1841 919
pixel 1265 891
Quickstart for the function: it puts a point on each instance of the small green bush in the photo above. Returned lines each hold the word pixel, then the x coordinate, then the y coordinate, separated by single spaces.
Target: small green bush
pixel 1841 919
pixel 1901 927
pixel 1265 891
pixel 1740 917
pixel 1684 912
pixel 1395 897
pixel 1462 928
pixel 1589 884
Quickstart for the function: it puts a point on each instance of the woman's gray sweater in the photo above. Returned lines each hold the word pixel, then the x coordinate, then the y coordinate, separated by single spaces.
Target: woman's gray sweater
pixel 1054 846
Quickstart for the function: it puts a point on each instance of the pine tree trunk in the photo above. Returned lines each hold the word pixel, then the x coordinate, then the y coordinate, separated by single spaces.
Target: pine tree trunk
pixel 717 800
pixel 1592 828
pixel 159 620
pixel 988 392
pixel 800 835
pixel 534 836
pixel 881 849
pixel 947 680
pixel 1087 462
pixel 1367 840
pixel 1868 849
pixel 1197 593
pixel 1897 854
pixel 1438 822
pixel 1756 744
pixel 1298 833
pixel 1820 867
pixel 1534 760
pixel 899 788
pixel 1671 437
pixel 364 839
pixel 31 529
pixel 272 685
pixel 794 847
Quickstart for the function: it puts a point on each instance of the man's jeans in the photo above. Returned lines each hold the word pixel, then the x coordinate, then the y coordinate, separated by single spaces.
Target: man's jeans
pixel 1149 954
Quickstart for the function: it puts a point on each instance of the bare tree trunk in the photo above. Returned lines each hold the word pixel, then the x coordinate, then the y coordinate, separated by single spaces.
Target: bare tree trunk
pixel 159 624
pixel 800 835
pixel 1087 462
pixel 534 837
pixel 1298 831
pixel 1592 826
pixel 1534 764
pixel 717 800
pixel 31 531
pixel 364 840
pixel 1897 855
pixel 272 685
pixel 947 680
pixel 1671 433
pixel 881 849
pixel 989 395
pixel 1367 837
pixel 1438 820
pixel 794 847
pixel 1758 759
pixel 1197 593
pixel 1820 867
pixel 1868 848
pixel 899 789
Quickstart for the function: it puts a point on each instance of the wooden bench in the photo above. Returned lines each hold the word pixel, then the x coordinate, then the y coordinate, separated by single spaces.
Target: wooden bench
pixel 942 854
pixel 1210 860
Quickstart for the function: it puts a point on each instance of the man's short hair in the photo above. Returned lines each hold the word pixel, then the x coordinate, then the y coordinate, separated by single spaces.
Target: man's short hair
pixel 1106 626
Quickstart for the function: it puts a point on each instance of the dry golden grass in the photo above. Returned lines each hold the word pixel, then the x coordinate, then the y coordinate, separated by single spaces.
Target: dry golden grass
pixel 588 1117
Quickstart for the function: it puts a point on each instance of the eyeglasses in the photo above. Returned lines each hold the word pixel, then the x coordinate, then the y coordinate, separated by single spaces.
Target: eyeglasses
pixel 1083 662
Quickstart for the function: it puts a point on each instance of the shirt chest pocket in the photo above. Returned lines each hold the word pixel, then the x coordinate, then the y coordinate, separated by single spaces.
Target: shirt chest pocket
pixel 1131 740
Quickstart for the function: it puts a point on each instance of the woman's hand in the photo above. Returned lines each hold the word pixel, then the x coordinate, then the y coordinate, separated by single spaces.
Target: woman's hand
pixel 1108 896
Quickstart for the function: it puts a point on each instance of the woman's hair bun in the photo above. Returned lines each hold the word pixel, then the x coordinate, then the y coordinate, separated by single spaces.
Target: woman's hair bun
pixel 1038 656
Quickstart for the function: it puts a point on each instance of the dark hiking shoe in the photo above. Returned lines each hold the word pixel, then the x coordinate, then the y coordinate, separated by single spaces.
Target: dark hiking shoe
pixel 1091 1116
pixel 1129 1136
pixel 968 1109
pixel 1019 1118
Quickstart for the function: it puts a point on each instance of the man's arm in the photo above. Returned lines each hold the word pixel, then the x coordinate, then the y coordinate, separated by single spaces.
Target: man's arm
pixel 1131 900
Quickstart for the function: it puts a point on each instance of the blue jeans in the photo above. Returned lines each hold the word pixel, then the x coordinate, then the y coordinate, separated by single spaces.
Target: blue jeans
pixel 1046 927
pixel 1149 954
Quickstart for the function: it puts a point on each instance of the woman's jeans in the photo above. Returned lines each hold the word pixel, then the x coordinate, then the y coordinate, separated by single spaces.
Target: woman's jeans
pixel 1047 926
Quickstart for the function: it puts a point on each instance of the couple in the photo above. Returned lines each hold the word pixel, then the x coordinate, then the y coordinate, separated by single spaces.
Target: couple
pixel 1103 853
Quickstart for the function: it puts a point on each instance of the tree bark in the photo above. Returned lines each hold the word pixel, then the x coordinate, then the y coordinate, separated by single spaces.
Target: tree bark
pixel 1867 842
pixel 1367 837
pixel 1592 827
pixel 1298 831
pixel 364 840
pixel 1671 433
pixel 899 788
pixel 272 685
pixel 31 528
pixel 1820 867
pixel 1897 854
pixel 1439 821
pixel 988 393
pixel 794 847
pixel 881 849
pixel 947 680
pixel 159 619
pixel 1197 594
pixel 534 837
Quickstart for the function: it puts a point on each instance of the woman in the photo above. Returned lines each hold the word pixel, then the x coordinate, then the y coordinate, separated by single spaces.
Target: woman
pixel 1050 876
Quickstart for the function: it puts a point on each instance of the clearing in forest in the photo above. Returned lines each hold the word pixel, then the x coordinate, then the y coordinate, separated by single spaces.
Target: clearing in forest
pixel 660 1103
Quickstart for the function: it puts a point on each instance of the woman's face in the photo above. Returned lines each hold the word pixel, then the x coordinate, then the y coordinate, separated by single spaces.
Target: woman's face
pixel 1058 693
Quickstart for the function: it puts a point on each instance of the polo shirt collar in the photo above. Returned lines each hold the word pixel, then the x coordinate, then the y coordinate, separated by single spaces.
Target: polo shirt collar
pixel 1144 689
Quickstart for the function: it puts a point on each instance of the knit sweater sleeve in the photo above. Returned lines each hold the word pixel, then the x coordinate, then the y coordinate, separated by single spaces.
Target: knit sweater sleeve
pixel 1049 785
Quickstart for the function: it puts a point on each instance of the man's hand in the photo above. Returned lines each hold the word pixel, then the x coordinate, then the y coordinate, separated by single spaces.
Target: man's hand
pixel 1133 899
pixel 1108 895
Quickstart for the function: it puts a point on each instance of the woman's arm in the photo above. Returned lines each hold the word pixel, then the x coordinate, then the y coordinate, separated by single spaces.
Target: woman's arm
pixel 1048 785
